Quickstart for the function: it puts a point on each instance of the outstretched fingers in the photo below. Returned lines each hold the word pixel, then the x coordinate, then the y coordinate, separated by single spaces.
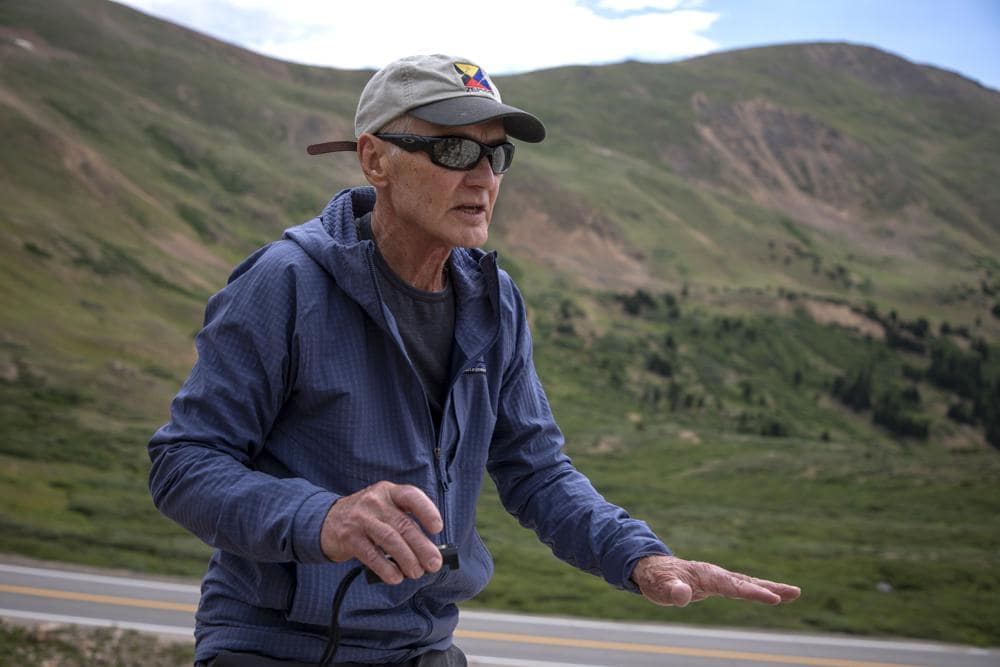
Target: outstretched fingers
pixel 737 586
pixel 668 580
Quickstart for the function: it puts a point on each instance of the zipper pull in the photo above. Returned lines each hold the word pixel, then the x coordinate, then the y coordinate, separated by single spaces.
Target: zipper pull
pixel 444 479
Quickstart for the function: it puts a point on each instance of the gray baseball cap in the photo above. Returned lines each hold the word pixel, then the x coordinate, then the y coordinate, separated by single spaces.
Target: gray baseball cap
pixel 439 89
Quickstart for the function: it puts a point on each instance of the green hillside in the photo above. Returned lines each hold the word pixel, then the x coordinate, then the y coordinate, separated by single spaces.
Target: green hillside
pixel 764 287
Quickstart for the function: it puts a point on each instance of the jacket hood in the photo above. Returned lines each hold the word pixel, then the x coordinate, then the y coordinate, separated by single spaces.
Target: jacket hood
pixel 331 240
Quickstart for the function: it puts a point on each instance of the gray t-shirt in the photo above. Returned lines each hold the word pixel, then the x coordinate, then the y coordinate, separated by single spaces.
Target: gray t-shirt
pixel 426 322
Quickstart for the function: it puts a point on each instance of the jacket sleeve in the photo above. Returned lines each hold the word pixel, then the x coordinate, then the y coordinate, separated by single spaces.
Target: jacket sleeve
pixel 202 472
pixel 540 487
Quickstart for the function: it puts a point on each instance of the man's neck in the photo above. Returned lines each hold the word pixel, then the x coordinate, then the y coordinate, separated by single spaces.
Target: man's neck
pixel 420 263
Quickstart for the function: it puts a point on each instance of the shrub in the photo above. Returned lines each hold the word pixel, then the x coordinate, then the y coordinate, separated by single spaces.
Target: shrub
pixel 918 327
pixel 891 412
pixel 673 309
pixel 960 412
pixel 636 302
pixel 855 391
pixel 674 392
pixel 657 364
pixel 953 369
pixel 773 428
pixel 903 339
pixel 910 397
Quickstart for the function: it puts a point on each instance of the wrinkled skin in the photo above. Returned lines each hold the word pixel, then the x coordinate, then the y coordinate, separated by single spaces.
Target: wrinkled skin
pixel 671 581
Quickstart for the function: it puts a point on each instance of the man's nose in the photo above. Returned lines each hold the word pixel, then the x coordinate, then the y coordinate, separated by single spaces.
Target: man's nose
pixel 482 174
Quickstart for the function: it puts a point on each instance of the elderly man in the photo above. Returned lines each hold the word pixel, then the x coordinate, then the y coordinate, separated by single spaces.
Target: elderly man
pixel 353 382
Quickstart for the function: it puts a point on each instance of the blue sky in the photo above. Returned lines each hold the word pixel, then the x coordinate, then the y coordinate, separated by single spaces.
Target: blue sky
pixel 506 36
pixel 962 35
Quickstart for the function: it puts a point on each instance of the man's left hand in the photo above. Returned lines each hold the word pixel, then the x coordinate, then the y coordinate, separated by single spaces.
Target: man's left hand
pixel 667 580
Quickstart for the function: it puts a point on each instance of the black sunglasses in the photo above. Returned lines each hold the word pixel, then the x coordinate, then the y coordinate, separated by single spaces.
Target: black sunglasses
pixel 459 153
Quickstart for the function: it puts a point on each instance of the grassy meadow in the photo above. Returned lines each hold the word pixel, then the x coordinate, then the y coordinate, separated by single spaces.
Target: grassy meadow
pixel 744 465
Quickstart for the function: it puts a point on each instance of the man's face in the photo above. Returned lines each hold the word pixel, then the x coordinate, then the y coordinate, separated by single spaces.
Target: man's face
pixel 441 207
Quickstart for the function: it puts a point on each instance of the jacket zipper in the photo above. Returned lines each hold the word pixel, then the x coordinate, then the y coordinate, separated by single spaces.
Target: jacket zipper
pixel 449 399
pixel 429 421
pixel 440 467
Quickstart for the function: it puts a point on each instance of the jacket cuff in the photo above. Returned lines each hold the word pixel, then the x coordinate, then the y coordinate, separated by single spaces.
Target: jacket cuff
pixel 307 527
pixel 650 550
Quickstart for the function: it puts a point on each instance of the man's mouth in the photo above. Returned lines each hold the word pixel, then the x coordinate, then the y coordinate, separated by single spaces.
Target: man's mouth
pixel 471 209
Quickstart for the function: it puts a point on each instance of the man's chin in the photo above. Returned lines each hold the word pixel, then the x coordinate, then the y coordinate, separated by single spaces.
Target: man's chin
pixel 472 237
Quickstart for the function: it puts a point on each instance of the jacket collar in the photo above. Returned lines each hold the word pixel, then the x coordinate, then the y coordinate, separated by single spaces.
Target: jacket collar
pixel 477 303
pixel 332 240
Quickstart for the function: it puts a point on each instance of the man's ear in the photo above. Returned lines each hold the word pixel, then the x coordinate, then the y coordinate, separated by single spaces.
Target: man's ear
pixel 373 158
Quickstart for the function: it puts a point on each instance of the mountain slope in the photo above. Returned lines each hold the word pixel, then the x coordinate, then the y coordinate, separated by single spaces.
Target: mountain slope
pixel 787 144
pixel 763 284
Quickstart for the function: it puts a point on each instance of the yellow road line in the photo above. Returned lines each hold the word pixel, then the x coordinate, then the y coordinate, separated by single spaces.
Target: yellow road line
pixel 670 650
pixel 102 599
pixel 493 636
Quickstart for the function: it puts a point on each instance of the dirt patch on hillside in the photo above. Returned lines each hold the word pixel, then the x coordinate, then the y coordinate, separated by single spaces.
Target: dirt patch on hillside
pixel 598 261
pixel 102 179
pixel 555 227
pixel 689 437
pixel 704 240
pixel 834 313
pixel 773 148
pixel 790 161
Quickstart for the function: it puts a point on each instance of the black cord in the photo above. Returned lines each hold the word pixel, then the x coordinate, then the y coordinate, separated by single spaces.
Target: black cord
pixel 333 639
pixel 449 556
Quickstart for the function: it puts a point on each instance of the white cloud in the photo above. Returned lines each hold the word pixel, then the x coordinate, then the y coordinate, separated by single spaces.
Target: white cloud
pixel 513 36
pixel 636 5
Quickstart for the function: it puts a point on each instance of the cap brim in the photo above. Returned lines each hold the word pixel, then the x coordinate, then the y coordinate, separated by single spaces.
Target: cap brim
pixel 332 147
pixel 471 109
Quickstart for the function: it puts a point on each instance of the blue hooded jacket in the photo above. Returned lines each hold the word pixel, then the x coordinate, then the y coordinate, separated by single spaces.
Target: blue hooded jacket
pixel 303 393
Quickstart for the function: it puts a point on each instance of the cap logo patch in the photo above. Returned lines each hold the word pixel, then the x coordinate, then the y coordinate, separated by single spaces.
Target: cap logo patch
pixel 473 77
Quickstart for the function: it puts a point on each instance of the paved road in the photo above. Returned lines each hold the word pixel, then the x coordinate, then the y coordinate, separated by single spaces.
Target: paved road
pixel 502 640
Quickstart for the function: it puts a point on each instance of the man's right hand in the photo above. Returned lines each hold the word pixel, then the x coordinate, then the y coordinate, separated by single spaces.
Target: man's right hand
pixel 375 522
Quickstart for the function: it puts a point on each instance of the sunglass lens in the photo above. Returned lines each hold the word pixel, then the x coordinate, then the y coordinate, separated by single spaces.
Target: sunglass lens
pixel 460 153
pixel 456 153
pixel 501 157
pixel 497 159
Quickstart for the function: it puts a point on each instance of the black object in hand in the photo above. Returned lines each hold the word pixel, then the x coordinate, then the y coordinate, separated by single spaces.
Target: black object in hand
pixel 449 559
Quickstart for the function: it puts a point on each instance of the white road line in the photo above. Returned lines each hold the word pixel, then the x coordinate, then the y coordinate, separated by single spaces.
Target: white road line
pixel 686 631
pixel 99 579
pixel 488 661
pixel 692 631
pixel 475 660
pixel 99 622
